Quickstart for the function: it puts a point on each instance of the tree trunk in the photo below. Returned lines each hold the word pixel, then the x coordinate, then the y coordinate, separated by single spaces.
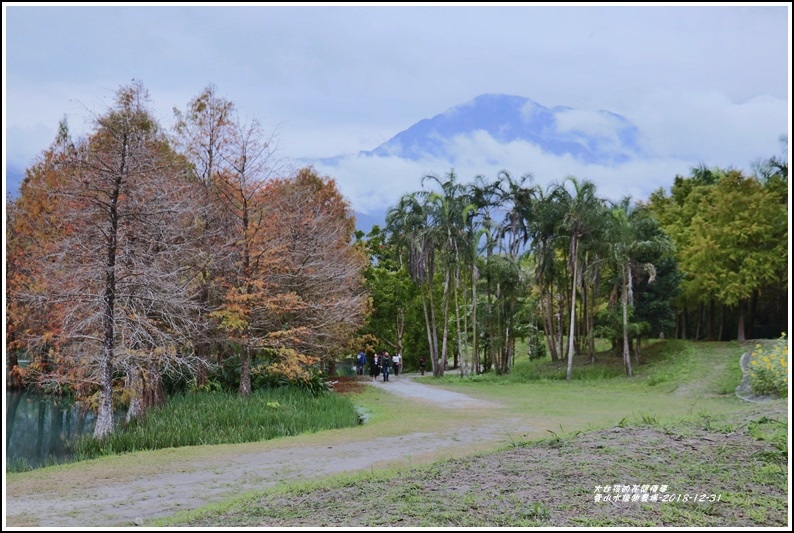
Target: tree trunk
pixel 475 359
pixel 626 351
pixel 245 371
pixel 740 327
pixel 11 413
pixel 134 384
pixel 104 421
pixel 550 332
pixel 750 324
pixel 400 328
pixel 445 325
pixel 573 312
pixel 460 353
pixel 432 340
pixel 711 319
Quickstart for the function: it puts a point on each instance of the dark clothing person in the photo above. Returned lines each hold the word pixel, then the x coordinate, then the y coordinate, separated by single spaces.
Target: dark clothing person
pixel 374 369
pixel 422 365
pixel 385 364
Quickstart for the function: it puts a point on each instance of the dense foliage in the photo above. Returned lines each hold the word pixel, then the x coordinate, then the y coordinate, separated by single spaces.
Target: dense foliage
pixel 482 265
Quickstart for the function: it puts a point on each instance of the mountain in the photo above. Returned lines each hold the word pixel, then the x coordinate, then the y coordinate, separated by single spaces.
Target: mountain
pixel 590 137
pixel 600 137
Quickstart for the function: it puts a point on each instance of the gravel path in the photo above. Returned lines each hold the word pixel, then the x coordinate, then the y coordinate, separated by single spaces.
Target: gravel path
pixel 404 386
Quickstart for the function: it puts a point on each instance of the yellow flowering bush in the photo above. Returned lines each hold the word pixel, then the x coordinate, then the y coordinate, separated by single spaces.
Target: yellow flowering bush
pixel 769 369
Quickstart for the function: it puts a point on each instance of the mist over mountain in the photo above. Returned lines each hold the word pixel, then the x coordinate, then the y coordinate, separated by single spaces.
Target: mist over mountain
pixel 592 137
pixel 589 137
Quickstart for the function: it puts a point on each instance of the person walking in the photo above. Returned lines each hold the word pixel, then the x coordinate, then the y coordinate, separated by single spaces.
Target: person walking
pixel 361 361
pixel 374 370
pixel 397 363
pixel 422 363
pixel 385 365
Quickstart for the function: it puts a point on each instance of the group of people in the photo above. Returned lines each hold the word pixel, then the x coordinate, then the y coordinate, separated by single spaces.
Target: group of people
pixel 383 364
pixel 379 364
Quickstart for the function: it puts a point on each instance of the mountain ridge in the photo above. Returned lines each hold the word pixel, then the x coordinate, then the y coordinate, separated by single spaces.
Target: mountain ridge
pixel 593 137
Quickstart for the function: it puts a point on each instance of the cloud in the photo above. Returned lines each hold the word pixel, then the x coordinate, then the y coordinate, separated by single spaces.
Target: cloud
pixel 601 126
pixel 710 128
pixel 375 184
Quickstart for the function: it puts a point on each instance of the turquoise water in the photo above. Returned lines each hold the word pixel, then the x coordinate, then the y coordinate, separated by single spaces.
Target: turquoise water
pixel 39 430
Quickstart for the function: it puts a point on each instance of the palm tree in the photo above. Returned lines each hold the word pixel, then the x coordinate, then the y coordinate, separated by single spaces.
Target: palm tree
pixel 582 210
pixel 628 245
pixel 448 211
pixel 485 197
pixel 514 232
pixel 409 229
pixel 544 234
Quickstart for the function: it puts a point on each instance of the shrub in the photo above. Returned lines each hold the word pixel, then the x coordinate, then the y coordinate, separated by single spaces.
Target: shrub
pixel 769 369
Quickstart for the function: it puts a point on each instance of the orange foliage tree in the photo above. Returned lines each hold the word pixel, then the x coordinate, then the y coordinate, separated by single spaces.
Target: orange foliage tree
pixel 301 299
pixel 118 220
pixel 319 264
pixel 128 260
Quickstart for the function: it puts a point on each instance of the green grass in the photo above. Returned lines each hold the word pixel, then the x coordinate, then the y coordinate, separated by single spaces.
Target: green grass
pixel 226 418
pixel 549 482
pixel 697 374
pixel 675 420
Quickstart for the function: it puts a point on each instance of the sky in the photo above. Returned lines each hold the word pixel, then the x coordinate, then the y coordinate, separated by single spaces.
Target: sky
pixel 705 84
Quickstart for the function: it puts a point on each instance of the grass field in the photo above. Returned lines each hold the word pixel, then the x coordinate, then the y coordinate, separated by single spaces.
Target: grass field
pixel 674 433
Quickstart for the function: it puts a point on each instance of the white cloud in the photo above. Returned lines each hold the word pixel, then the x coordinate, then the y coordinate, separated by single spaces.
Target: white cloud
pixel 708 127
pixel 597 125
pixel 590 122
pixel 376 183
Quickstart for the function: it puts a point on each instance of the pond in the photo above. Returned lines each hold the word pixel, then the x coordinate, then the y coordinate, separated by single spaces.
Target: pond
pixel 40 429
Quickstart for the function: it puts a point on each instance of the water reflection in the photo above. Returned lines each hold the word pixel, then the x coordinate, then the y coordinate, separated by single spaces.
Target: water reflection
pixel 40 430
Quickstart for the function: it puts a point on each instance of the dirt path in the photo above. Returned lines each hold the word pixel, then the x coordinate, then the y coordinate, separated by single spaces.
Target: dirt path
pixel 191 479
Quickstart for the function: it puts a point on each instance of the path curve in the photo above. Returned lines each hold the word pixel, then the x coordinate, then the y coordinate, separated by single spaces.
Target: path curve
pixel 404 386
pixel 186 484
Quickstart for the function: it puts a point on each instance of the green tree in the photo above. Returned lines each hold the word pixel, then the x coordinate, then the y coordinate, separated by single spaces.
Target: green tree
pixel 675 214
pixel 738 242
pixel 409 230
pixel 518 202
pixel 449 210
pixel 631 241
pixel 393 319
pixel 582 213
pixel 544 238
pixel 483 233
pixel 484 196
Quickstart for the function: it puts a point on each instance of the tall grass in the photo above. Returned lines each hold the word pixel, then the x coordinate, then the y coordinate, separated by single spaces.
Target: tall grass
pixel 226 418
